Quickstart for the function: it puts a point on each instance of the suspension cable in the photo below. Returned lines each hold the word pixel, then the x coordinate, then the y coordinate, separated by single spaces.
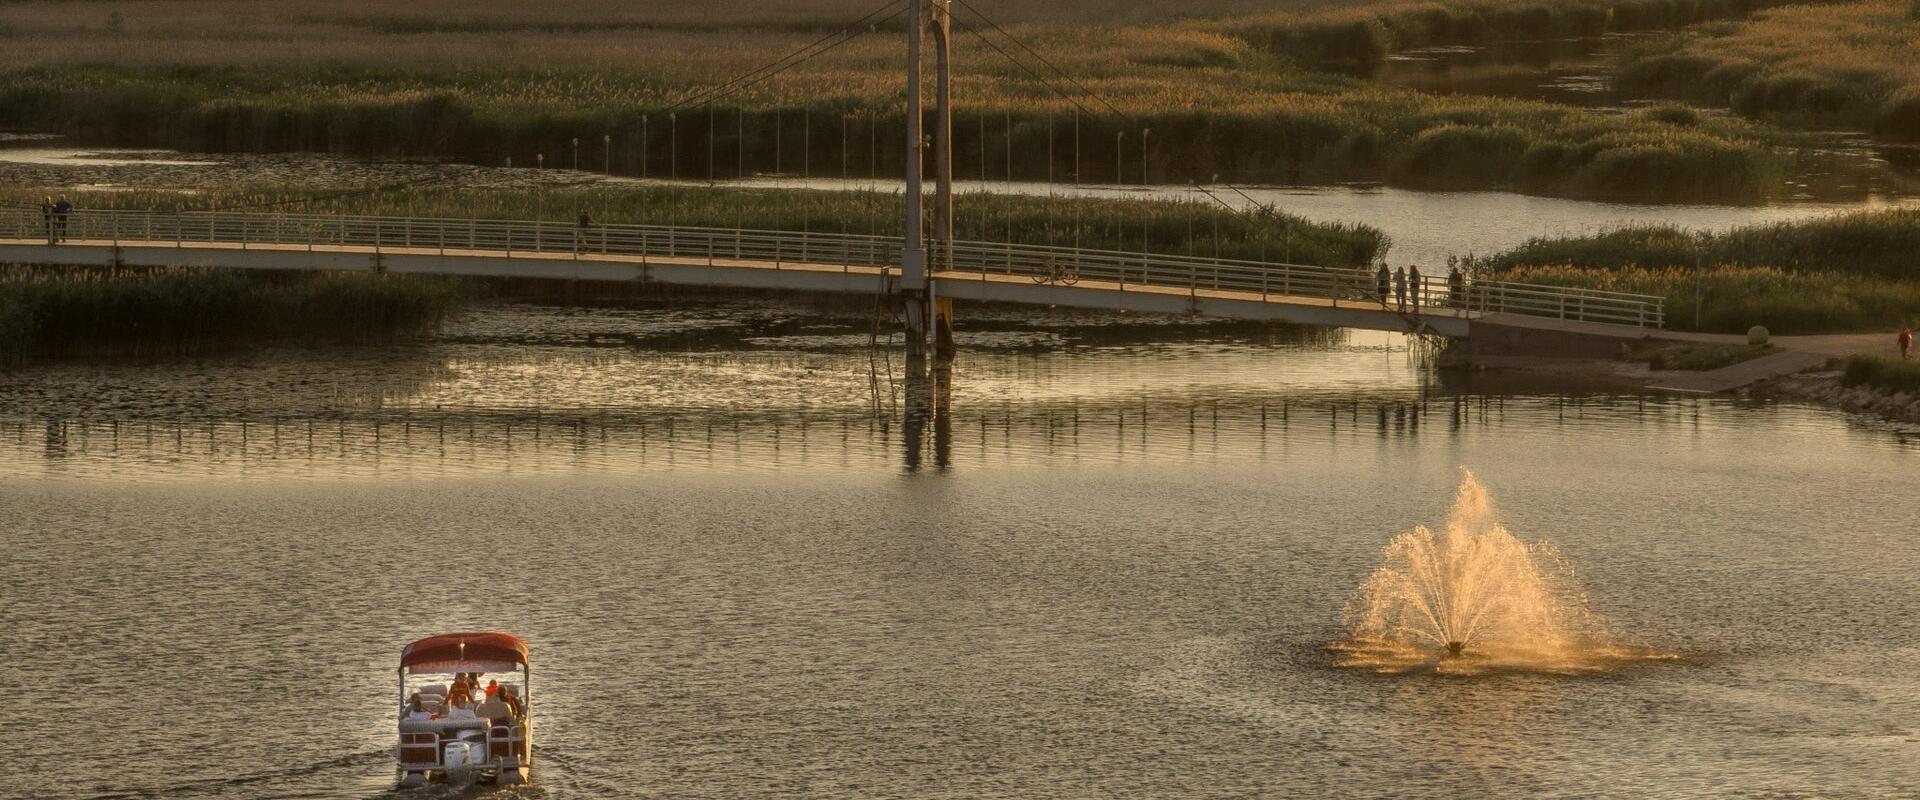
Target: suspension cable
pixel 805 53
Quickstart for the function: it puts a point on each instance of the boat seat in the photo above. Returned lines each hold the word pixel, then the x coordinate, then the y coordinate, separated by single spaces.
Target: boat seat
pixel 450 728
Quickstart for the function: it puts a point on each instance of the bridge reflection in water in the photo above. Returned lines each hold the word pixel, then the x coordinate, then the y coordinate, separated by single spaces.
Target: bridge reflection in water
pixel 927 433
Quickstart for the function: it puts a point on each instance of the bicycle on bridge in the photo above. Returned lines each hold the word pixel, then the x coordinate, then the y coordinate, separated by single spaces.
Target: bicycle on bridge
pixel 1055 271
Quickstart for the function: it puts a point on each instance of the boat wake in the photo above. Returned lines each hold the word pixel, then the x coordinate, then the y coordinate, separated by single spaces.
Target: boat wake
pixel 1475 599
pixel 250 784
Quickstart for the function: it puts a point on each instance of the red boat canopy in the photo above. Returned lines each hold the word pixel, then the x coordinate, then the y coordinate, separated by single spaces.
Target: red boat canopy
pixel 484 651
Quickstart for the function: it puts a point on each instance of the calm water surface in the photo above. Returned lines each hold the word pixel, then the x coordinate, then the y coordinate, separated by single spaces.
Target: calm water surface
pixel 744 570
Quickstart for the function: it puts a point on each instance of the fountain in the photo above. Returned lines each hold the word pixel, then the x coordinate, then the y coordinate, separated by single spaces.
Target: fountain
pixel 1472 599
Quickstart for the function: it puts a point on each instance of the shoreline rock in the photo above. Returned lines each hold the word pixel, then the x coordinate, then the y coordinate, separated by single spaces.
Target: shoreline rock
pixel 1824 388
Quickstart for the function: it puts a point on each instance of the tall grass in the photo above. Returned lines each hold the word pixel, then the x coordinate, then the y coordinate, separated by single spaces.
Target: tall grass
pixel 1851 65
pixel 1884 374
pixel 1279 129
pixel 1845 272
pixel 47 312
pixel 1730 299
pixel 1174 226
pixel 1880 244
pixel 1362 35
pixel 1218 99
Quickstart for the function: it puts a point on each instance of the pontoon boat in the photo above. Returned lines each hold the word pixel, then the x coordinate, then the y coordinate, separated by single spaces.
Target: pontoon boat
pixel 446 740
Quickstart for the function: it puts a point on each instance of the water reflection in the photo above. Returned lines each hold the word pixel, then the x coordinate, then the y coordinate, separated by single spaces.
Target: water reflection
pixel 1021 560
pixel 931 432
pixel 519 390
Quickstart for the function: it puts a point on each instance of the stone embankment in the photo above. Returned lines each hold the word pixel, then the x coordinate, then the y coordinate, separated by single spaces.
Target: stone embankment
pixel 1824 387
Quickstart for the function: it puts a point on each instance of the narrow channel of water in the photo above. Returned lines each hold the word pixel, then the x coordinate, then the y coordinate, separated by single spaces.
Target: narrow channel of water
pixel 1425 227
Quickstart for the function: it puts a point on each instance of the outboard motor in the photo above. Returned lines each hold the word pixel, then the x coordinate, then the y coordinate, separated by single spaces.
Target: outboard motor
pixel 461 758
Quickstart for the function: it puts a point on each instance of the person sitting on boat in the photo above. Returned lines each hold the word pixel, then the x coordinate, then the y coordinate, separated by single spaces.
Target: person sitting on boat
pixel 493 688
pixel 495 709
pixel 511 697
pixel 416 709
pixel 462 709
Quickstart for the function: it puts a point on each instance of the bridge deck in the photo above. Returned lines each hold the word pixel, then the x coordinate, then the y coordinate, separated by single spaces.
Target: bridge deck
pixel 801 261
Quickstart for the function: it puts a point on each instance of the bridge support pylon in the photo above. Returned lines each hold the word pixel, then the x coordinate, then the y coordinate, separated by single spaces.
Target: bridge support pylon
pixel 943 330
pixel 929 319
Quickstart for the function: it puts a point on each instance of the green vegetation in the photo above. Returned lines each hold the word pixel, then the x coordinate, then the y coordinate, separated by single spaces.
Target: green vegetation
pixel 1850 272
pixel 1228 96
pixel 47 312
pixel 1364 34
pixel 1853 65
pixel 1198 227
pixel 1884 374
pixel 1876 243
pixel 1731 299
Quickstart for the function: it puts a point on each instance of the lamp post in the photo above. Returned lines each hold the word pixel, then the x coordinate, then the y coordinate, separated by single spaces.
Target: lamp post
pixel 576 154
pixel 1144 133
pixel 606 153
pixel 1699 274
pixel 1145 215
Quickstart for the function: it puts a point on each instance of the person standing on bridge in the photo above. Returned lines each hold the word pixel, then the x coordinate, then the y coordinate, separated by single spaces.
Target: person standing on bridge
pixel 1384 283
pixel 1414 286
pixel 1456 283
pixel 580 233
pixel 1906 343
pixel 46 216
pixel 60 210
pixel 1400 289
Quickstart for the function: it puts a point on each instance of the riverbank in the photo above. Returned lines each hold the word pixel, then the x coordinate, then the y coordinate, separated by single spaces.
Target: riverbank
pixel 1849 272
pixel 50 313
pixel 1197 225
pixel 1831 388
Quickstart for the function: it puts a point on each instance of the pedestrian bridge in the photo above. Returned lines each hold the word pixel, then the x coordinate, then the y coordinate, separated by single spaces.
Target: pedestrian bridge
pixel 809 262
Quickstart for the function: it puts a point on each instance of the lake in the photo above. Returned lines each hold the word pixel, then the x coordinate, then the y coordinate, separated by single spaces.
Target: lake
pixel 745 568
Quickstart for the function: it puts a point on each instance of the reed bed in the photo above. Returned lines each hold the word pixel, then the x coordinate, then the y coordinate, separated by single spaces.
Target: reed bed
pixel 1847 272
pixel 1197 227
pixel 1218 96
pixel 1361 35
pixel 1878 244
pixel 1885 374
pixel 65 312
pixel 1730 299
pixel 1851 65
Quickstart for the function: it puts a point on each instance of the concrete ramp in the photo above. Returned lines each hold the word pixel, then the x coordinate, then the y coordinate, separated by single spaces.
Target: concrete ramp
pixel 1745 373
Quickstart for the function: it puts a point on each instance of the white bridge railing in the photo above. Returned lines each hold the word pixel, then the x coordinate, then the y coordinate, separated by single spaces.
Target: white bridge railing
pixel 1042 264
